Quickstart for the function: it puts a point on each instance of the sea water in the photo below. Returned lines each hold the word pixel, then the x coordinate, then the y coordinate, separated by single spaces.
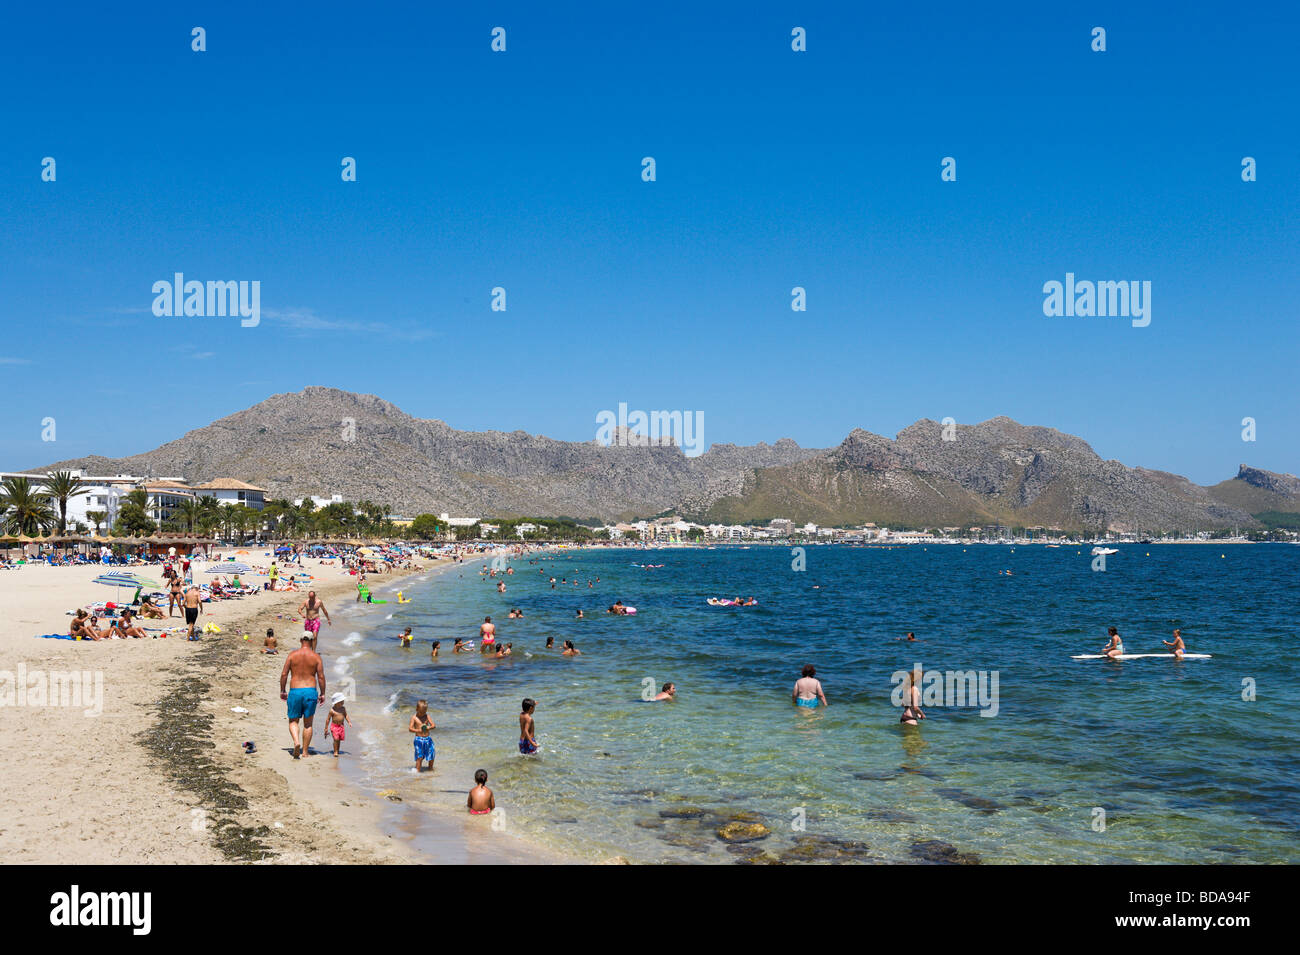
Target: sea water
pixel 1093 761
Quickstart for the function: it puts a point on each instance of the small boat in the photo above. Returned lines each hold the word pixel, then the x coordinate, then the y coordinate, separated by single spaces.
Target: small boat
pixel 1103 551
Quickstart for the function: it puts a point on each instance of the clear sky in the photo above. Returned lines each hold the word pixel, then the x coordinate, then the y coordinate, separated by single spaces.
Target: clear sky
pixel 775 169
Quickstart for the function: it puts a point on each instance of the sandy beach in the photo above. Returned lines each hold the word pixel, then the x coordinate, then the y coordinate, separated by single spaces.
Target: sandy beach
pixel 157 772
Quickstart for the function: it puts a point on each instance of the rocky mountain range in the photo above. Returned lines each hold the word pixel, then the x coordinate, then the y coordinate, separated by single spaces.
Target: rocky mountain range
pixel 324 441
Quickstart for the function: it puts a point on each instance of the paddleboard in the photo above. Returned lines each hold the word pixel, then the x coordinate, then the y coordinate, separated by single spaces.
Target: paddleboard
pixel 1140 656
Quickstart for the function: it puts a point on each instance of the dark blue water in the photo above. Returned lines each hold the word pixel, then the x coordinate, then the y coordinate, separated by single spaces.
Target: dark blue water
pixel 1168 754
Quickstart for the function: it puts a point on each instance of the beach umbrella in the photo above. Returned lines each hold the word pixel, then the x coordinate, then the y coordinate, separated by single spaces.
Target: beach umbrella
pixel 234 567
pixel 120 579
pixel 126 579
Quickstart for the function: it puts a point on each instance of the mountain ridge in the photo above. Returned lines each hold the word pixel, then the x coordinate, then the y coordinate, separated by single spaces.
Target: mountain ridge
pixel 324 440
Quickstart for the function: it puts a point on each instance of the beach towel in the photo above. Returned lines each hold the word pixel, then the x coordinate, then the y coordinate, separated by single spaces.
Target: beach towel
pixel 54 636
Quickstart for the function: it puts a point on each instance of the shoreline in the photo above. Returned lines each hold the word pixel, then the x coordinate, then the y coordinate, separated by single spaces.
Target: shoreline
pixel 429 831
pixel 159 774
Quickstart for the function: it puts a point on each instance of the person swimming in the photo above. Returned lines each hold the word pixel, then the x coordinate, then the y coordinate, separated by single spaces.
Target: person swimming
pixel 808 690
pixel 1115 647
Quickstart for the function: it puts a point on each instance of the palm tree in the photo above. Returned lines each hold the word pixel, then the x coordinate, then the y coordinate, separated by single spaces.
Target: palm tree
pixel 243 517
pixel 98 517
pixel 277 513
pixel 25 510
pixel 60 486
pixel 226 520
pixel 188 512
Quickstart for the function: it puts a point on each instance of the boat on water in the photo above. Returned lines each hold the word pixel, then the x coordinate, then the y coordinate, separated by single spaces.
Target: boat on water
pixel 1103 551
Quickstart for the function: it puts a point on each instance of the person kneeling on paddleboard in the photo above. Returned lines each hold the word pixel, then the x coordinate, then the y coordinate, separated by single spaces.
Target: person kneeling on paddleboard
pixel 1177 645
pixel 1115 647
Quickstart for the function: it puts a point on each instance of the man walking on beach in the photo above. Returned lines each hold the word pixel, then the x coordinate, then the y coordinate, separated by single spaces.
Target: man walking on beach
pixel 311 609
pixel 193 607
pixel 306 676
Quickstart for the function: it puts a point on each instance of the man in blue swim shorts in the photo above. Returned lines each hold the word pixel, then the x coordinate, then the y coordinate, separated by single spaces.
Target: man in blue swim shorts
pixel 305 674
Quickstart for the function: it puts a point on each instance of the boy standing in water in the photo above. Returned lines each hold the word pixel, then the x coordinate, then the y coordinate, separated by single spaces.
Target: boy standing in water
pixel 420 725
pixel 480 801
pixel 527 728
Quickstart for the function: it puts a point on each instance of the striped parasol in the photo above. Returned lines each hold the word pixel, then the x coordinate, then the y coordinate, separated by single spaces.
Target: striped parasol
pixel 234 567
pixel 120 578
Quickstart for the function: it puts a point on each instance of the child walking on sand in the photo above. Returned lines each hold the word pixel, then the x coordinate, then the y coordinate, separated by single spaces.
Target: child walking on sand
pixel 421 725
pixel 480 801
pixel 337 717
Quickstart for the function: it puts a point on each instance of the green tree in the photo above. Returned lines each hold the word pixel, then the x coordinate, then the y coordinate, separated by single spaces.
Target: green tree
pixel 61 486
pixel 188 513
pixel 132 520
pixel 25 510
pixel 425 527
pixel 98 517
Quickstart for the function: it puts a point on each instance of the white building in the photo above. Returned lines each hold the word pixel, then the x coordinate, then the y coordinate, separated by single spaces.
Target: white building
pixel 320 501
pixel 165 496
pixel 230 491
pixel 103 493
pixel 458 521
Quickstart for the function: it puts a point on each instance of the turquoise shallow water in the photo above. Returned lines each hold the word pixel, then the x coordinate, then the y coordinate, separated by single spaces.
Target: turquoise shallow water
pixel 1183 768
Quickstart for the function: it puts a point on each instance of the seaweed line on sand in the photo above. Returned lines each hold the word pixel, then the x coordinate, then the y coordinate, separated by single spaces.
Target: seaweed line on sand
pixel 180 738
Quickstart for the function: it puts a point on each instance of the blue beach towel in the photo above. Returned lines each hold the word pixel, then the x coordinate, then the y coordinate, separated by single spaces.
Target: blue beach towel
pixel 53 636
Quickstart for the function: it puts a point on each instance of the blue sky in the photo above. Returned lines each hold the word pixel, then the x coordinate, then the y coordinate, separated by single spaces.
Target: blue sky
pixel 775 169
